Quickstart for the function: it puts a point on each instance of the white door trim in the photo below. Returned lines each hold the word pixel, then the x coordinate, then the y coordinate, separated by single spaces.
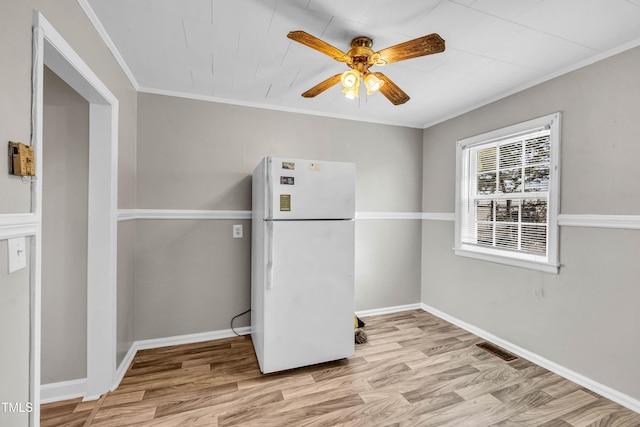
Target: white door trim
pixel 50 49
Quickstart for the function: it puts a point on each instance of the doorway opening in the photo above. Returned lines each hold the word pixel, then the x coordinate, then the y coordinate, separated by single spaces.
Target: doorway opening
pixel 64 239
pixel 52 51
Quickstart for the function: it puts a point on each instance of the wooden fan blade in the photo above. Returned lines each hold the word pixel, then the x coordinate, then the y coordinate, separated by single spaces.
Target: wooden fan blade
pixel 321 87
pixel 425 45
pixel 392 91
pixel 317 44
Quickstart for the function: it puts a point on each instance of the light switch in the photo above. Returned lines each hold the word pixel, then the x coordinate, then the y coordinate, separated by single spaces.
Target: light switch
pixel 237 231
pixel 17 255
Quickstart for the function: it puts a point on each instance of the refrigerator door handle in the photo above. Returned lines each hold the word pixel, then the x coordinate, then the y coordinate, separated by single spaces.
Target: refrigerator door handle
pixel 269 254
pixel 269 190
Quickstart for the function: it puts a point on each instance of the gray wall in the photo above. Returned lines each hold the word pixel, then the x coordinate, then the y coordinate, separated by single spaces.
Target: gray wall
pixel 585 318
pixel 15 107
pixel 64 232
pixel 191 276
pixel 14 336
pixel 15 102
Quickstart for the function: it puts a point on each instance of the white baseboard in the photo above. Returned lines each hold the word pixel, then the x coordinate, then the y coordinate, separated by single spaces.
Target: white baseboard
pixel 191 338
pixel 124 366
pixel 388 310
pixel 601 389
pixel 63 390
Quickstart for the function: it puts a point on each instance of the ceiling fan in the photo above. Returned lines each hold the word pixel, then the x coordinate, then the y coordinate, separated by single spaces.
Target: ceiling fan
pixel 361 57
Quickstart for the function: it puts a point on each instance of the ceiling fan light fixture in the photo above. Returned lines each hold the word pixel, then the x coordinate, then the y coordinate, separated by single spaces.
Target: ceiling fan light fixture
pixel 352 92
pixel 350 79
pixel 372 83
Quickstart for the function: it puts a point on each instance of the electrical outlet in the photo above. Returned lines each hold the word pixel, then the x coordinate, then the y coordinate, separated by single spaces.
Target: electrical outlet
pixel 237 231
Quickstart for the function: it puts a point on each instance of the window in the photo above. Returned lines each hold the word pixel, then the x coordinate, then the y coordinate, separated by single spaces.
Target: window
pixel 507 198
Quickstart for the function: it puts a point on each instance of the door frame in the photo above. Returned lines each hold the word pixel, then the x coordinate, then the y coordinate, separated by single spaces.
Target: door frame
pixel 50 49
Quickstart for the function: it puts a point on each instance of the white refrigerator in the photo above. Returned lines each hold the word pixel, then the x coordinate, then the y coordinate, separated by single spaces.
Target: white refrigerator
pixel 302 261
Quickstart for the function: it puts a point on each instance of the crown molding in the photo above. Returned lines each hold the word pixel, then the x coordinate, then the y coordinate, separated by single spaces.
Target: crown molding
pixel 88 10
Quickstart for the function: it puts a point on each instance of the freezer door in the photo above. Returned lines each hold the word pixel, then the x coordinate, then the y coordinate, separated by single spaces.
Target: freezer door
pixel 309 298
pixel 309 189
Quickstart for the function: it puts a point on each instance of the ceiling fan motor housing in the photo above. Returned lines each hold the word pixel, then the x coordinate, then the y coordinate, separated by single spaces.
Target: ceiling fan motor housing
pixel 360 52
pixel 362 41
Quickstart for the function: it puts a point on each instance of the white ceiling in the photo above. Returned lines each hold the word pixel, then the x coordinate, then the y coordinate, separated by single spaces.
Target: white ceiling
pixel 237 51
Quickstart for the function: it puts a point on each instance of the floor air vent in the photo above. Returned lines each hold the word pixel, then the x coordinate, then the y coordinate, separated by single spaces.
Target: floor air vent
pixel 497 351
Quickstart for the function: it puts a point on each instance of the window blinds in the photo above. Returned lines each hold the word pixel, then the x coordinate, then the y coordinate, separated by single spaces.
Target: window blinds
pixel 505 189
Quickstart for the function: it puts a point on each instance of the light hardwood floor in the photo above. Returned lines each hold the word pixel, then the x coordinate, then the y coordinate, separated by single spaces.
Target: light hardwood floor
pixel 415 370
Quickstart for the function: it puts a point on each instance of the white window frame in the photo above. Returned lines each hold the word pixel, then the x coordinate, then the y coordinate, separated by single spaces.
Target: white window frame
pixel 547 263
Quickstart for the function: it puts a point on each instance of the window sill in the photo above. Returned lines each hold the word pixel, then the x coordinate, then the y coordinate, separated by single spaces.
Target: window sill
pixel 514 262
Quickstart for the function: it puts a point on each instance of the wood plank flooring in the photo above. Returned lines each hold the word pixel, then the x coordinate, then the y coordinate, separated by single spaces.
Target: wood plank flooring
pixel 415 370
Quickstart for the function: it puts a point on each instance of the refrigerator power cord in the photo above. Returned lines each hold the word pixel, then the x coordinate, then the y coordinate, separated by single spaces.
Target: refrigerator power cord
pixel 234 318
